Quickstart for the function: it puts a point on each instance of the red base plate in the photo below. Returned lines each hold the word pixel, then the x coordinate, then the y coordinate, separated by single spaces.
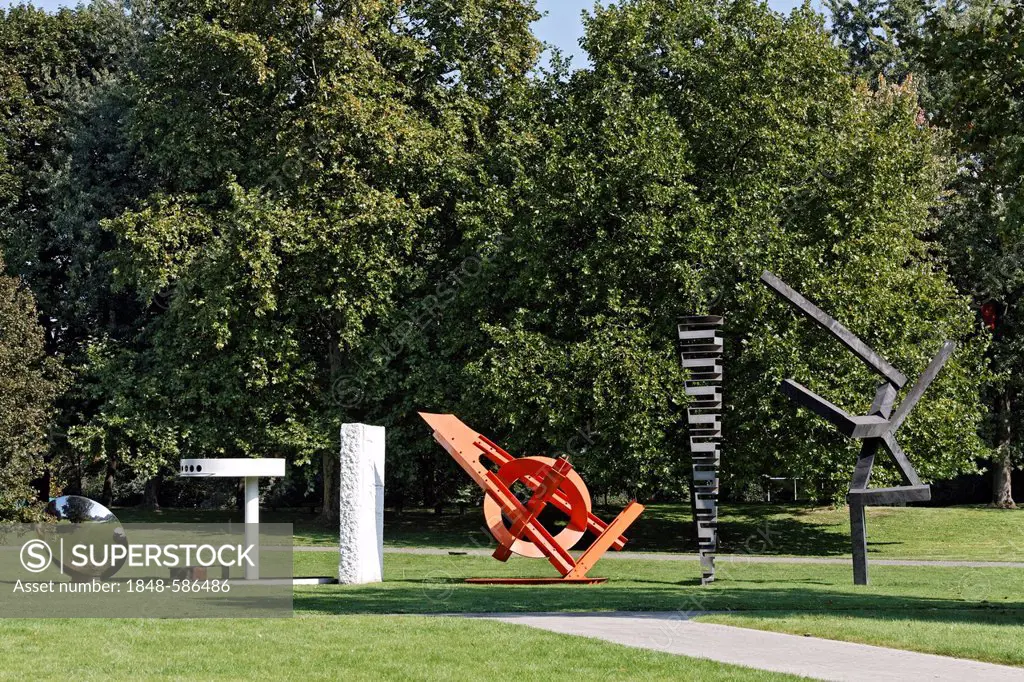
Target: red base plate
pixel 536 581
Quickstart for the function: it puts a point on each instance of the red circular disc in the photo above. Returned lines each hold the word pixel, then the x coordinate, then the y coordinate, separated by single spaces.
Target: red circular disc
pixel 572 487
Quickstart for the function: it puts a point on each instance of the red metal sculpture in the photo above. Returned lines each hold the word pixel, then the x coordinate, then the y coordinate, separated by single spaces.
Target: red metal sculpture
pixel 551 481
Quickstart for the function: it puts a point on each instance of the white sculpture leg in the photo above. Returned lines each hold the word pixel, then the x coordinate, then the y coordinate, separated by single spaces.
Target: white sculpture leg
pixel 252 525
pixel 361 513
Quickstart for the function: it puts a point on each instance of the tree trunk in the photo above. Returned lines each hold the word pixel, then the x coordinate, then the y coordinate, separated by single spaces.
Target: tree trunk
pixel 428 491
pixel 74 486
pixel 330 509
pixel 1002 492
pixel 107 498
pixel 151 494
pixel 43 486
pixel 330 462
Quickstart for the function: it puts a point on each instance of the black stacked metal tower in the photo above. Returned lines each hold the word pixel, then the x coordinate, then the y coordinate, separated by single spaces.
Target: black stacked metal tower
pixel 700 344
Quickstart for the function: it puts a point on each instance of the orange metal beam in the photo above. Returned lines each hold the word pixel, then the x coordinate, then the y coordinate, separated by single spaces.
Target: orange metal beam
pixel 625 518
pixel 537 534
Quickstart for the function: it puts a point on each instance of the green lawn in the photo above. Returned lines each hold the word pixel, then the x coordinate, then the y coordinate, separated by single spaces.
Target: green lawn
pixel 384 631
pixel 355 631
pixel 330 648
pixel 996 636
pixel 965 533
pixel 971 613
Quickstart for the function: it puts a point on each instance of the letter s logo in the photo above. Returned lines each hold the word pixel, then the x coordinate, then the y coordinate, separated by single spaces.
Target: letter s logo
pixel 36 556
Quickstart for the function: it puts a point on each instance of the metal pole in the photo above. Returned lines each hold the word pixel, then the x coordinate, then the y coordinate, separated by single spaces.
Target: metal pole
pixel 858 535
pixel 252 525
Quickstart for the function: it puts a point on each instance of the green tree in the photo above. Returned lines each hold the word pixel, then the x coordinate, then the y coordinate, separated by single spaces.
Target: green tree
pixel 307 162
pixel 29 383
pixel 69 166
pixel 51 65
pixel 967 53
pixel 880 36
pixel 977 51
pixel 711 140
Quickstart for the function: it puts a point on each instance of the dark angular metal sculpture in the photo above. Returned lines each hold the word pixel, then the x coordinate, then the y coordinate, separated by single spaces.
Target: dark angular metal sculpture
pixel 700 346
pixel 876 429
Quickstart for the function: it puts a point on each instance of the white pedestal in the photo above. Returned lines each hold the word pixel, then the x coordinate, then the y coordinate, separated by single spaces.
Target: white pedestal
pixel 250 470
pixel 252 525
pixel 361 492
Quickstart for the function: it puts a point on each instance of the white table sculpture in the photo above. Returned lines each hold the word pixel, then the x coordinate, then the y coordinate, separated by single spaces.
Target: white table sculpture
pixel 249 469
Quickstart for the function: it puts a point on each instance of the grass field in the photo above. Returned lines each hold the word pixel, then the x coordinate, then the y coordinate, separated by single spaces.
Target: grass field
pixel 964 533
pixel 994 637
pixel 385 630
pixel 957 533
pixel 396 629
pixel 433 584
pixel 969 613
pixel 328 648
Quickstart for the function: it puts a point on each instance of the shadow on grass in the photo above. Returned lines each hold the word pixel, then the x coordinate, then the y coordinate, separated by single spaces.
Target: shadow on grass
pixel 753 529
pixel 743 529
pixel 438 595
pixel 306 527
pixel 990 615
pixel 746 529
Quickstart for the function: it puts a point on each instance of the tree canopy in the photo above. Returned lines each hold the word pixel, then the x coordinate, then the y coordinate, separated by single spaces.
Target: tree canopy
pixel 246 225
pixel 29 383
pixel 709 141
pixel 967 54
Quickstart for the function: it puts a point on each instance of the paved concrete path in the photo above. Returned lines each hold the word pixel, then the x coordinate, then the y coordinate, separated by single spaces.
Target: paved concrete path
pixel 738 558
pixel 823 659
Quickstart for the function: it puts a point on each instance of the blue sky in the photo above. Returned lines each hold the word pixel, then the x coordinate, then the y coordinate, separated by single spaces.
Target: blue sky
pixel 561 26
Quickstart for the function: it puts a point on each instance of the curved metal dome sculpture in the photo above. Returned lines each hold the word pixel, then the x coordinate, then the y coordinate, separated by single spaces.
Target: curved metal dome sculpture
pixel 89 523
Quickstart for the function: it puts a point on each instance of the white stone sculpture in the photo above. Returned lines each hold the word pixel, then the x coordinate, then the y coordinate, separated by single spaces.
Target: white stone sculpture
pixel 361 512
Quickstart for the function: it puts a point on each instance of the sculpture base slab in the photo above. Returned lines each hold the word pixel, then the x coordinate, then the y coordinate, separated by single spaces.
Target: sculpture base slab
pixel 317 580
pixel 536 581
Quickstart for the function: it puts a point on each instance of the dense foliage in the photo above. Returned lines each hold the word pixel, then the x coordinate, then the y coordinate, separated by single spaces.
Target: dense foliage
pixel 967 55
pixel 29 383
pixel 247 223
pixel 710 141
